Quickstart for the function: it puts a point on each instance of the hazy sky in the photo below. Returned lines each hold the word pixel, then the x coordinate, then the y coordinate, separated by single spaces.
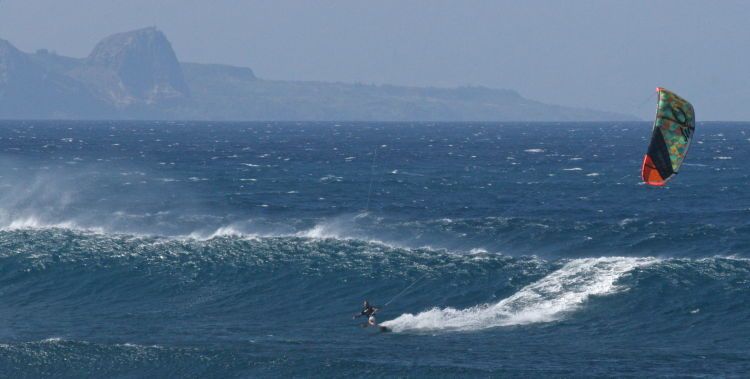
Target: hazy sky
pixel 607 55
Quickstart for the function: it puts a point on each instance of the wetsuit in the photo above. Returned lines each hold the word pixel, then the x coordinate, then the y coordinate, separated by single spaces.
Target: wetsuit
pixel 368 310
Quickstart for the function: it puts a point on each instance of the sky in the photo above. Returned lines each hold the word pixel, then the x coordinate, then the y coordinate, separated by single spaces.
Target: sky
pixel 599 54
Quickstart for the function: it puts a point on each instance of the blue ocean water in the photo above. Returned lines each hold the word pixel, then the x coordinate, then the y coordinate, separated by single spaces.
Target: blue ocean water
pixel 155 249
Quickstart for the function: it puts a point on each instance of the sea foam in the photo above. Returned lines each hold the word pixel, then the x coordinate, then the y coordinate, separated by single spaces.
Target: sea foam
pixel 546 300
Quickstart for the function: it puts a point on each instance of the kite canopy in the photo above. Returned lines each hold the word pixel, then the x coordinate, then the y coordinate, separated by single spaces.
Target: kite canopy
pixel 670 139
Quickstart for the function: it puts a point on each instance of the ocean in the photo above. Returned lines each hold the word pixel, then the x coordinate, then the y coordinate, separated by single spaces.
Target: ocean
pixel 195 249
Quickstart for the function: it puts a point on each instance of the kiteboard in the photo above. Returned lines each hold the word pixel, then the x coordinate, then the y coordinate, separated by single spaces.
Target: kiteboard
pixel 372 324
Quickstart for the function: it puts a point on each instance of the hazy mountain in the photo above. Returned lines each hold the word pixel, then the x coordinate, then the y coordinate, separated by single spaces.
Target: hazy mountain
pixel 28 90
pixel 136 75
pixel 134 68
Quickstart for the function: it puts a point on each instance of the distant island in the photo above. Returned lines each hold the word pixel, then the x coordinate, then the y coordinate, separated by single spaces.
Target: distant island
pixel 136 76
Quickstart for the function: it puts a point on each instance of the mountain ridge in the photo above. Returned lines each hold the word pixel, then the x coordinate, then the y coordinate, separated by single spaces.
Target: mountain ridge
pixel 137 75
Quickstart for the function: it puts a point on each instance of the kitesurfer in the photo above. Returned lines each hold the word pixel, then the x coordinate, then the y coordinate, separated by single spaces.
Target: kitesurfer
pixel 369 311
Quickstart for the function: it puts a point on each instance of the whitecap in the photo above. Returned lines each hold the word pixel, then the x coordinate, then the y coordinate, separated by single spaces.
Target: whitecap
pixel 224 231
pixel 627 221
pixel 331 178
pixel 33 223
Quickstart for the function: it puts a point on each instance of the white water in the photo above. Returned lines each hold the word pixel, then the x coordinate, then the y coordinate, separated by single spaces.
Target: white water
pixel 32 223
pixel 224 231
pixel 546 300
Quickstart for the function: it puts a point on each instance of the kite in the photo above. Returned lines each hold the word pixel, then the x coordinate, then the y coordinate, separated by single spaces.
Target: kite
pixel 673 131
